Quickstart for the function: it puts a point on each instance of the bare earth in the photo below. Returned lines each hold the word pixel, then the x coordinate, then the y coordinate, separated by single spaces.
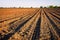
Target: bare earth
pixel 29 24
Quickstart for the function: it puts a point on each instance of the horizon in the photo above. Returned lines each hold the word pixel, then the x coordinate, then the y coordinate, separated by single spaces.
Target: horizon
pixel 29 3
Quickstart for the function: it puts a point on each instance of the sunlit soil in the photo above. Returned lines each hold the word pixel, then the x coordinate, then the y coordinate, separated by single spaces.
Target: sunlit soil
pixel 29 24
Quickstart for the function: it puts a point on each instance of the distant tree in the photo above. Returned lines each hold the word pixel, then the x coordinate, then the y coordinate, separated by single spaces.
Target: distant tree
pixel 1 7
pixel 41 6
pixel 45 7
pixel 59 7
pixel 14 7
pixel 55 6
pixel 19 7
pixel 31 7
pixel 51 6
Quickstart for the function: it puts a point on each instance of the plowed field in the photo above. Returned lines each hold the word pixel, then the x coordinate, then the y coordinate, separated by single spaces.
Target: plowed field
pixel 29 24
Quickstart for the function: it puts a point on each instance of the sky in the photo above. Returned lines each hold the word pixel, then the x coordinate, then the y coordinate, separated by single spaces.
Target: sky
pixel 28 3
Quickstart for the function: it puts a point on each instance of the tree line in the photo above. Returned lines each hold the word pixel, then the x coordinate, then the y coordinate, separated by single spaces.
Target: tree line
pixel 51 6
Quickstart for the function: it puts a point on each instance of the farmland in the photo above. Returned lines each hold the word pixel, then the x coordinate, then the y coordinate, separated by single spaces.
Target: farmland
pixel 29 24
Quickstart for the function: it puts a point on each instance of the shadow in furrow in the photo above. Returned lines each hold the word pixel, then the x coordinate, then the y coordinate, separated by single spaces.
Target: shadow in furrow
pixel 12 22
pixel 6 37
pixel 54 25
pixel 52 37
pixel 7 19
pixel 55 16
pixel 56 13
pixel 36 33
